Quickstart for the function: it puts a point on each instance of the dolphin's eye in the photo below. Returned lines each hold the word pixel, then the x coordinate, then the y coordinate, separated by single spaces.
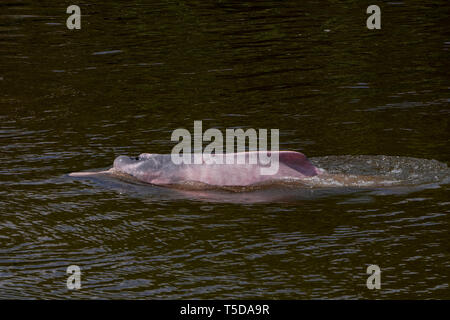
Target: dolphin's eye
pixel 136 158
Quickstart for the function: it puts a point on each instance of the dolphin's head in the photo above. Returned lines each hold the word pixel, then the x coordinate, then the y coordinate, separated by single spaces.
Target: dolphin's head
pixel 146 167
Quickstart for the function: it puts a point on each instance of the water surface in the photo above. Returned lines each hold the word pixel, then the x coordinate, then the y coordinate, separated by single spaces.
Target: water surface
pixel 74 100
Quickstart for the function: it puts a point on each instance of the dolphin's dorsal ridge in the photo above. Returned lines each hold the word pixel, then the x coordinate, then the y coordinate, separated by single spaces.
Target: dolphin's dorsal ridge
pixel 298 161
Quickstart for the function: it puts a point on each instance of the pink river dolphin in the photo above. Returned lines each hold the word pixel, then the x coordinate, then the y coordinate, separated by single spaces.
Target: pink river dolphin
pixel 160 169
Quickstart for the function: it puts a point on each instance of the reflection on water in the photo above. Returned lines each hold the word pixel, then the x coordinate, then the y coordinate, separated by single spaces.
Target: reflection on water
pixel 72 100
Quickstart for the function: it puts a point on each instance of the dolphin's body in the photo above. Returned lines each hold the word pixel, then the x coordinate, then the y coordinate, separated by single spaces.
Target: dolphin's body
pixel 159 169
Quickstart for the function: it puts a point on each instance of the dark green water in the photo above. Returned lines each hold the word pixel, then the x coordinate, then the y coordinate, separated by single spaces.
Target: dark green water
pixel 73 100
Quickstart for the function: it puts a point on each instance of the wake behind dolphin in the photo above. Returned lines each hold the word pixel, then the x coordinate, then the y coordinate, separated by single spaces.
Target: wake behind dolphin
pixel 295 169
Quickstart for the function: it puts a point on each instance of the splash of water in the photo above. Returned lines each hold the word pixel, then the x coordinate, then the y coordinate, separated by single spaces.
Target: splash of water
pixel 385 170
